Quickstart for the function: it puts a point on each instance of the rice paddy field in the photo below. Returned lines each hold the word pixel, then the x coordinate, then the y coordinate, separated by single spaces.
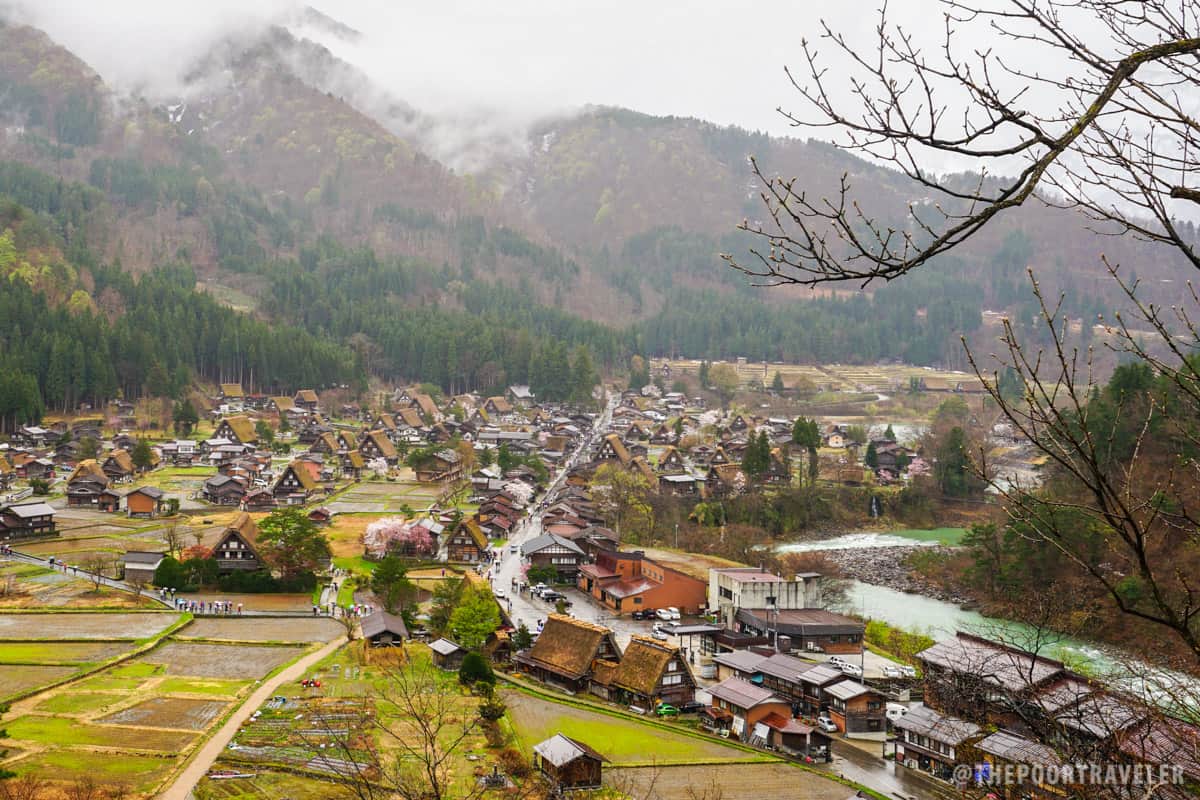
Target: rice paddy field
pixel 129 724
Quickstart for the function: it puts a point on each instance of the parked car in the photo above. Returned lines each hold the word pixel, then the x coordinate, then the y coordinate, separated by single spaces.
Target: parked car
pixel 659 634
pixel 664 614
pixel 666 710
pixel 892 672
pixel 674 612
pixel 691 708
pixel 499 593
pixel 837 661
pixel 826 724
pixel 853 670
pixel 643 613
pixel 909 672
pixel 514 548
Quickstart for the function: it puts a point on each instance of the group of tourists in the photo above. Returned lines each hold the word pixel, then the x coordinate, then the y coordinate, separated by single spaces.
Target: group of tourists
pixel 225 608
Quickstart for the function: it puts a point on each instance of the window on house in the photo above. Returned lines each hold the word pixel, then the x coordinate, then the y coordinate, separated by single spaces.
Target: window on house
pixel 672 680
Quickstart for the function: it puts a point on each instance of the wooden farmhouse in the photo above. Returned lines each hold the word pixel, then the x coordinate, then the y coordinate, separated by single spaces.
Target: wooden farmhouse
pixel 237 550
pixel 238 429
pixel 648 673
pixel 566 652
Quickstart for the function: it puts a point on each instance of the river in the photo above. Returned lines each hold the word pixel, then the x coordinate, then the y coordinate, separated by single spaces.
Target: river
pixel 940 620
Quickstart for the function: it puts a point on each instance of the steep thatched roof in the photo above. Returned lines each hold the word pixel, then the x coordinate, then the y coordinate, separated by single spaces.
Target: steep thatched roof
pixel 604 672
pixel 426 405
pixel 121 459
pixel 412 418
pixel 618 447
pixel 477 535
pixel 302 474
pixel 643 664
pixel 243 525
pixel 567 646
pixel 384 444
pixel 500 404
pixel 243 428
pixel 88 469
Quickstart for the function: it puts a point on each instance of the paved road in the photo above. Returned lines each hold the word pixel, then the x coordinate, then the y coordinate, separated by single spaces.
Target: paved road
pixel 198 766
pixel 886 776
pixel 523 608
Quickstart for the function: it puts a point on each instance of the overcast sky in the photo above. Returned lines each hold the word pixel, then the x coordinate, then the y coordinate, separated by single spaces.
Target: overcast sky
pixel 720 60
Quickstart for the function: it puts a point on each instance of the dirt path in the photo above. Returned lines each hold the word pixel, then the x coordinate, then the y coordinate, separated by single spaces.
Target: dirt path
pixel 197 767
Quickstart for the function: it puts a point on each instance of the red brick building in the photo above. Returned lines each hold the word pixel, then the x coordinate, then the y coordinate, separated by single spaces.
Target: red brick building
pixel 627 582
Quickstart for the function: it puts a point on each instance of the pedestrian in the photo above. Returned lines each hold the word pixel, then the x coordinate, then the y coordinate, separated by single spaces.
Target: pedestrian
pixel 239 609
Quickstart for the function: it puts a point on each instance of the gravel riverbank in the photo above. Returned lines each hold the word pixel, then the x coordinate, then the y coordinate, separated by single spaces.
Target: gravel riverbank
pixel 885 566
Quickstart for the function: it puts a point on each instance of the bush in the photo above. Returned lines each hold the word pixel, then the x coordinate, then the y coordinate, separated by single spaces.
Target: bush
pixel 171 574
pixel 475 669
pixel 262 582
pixel 513 762
pixel 545 574
pixel 492 709
pixel 491 731
pixel 900 643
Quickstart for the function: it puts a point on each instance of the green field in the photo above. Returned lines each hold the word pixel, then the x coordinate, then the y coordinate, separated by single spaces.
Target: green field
pixel 107 683
pixel 58 652
pixel 212 687
pixel 61 731
pixel 951 537
pixel 622 740
pixel 137 772
pixel 134 670
pixel 355 564
pixel 78 703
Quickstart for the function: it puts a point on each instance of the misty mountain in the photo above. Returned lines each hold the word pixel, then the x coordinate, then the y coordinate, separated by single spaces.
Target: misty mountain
pixel 274 142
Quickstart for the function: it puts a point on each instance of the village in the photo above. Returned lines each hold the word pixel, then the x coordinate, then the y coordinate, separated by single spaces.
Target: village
pixel 154 604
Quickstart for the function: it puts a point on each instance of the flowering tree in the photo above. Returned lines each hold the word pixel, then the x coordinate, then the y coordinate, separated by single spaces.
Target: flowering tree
pixel 395 534
pixel 379 466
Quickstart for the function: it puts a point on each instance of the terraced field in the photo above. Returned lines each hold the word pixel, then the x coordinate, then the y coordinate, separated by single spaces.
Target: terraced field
pixel 84 626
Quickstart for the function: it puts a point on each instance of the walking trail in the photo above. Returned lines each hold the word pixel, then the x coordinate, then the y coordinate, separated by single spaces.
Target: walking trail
pixel 199 764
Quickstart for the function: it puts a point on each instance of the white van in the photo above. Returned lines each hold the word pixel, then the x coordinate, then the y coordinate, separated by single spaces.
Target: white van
pixel 837 661
pixel 895 711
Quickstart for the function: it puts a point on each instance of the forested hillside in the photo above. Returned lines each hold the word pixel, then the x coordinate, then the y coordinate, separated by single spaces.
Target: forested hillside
pixel 283 180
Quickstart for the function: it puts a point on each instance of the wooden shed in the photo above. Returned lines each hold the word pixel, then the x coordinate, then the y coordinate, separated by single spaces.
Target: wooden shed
pixel 382 629
pixel 447 655
pixel 569 764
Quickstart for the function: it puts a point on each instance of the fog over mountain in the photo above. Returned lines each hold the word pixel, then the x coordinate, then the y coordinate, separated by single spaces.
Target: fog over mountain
pixel 482 75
